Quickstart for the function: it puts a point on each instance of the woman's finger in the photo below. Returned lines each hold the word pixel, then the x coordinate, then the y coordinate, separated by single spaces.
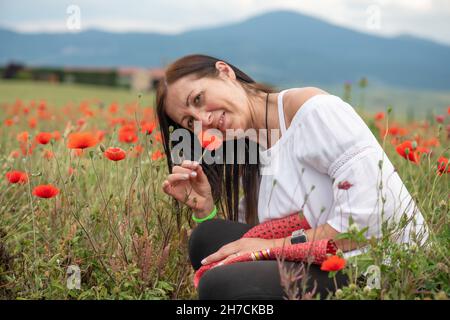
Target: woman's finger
pixel 178 169
pixel 193 165
pixel 227 259
pixel 167 188
pixel 185 167
pixel 191 173
pixel 176 177
pixel 221 254
pixel 199 175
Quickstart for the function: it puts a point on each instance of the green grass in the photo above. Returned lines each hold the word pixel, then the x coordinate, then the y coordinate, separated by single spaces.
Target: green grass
pixel 115 223
pixel 60 94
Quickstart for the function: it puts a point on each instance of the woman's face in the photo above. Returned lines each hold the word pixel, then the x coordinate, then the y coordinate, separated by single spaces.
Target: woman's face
pixel 219 103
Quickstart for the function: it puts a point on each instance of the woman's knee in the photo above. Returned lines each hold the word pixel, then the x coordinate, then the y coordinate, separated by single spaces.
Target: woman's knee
pixel 200 240
pixel 211 235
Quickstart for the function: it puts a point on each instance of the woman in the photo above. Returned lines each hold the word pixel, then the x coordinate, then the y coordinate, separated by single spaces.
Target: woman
pixel 325 165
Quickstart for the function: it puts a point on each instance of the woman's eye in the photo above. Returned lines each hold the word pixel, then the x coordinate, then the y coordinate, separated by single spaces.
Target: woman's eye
pixel 190 123
pixel 197 99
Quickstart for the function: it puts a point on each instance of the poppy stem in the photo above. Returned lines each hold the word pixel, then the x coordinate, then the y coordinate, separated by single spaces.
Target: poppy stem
pixel 335 282
pixel 33 215
pixel 203 154
pixel 117 175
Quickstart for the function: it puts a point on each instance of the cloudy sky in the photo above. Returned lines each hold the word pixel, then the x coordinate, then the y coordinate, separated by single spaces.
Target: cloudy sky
pixel 425 18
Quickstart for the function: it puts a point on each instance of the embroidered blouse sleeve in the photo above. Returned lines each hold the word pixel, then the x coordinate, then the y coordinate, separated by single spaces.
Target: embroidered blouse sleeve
pixel 337 142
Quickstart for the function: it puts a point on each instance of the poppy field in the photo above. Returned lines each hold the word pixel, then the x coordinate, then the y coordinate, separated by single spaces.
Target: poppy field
pixel 82 171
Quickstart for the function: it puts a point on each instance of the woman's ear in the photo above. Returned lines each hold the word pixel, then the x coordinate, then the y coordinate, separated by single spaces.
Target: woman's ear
pixel 225 70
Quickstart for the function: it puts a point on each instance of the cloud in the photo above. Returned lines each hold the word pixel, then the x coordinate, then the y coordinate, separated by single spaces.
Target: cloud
pixel 425 18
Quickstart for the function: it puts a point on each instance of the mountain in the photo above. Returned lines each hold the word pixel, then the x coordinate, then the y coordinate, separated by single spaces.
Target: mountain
pixel 281 47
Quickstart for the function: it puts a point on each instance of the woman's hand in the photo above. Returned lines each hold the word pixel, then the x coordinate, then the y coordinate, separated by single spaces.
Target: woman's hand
pixel 188 184
pixel 239 247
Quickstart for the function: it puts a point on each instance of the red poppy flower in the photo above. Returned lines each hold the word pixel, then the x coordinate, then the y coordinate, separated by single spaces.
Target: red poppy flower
pixel 333 263
pixel 48 154
pixel 432 142
pixel 344 185
pixel 127 134
pixel 136 151
pixel 81 122
pixel 116 121
pixel 32 123
pixel 138 148
pixel 394 131
pixel 43 137
pixel 8 122
pixel 42 105
pixel 14 154
pixel 410 151
pixel 115 154
pixel 158 136
pixel 81 140
pixel 100 135
pixel 379 116
pixel 147 127
pixel 56 135
pixel 157 155
pixel 17 176
pixel 443 166
pixel 128 137
pixel 440 118
pixel 113 107
pixel 23 137
pixel 45 191
pixel 209 141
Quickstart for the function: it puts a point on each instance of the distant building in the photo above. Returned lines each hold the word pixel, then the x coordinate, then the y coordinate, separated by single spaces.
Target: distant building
pixel 139 79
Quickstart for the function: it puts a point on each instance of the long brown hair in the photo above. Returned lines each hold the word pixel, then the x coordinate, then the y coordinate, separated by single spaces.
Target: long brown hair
pixel 223 178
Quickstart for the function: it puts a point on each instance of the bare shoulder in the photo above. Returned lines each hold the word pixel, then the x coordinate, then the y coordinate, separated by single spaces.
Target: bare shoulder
pixel 294 99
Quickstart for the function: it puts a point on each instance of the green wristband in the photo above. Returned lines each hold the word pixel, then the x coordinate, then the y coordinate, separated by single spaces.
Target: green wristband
pixel 210 216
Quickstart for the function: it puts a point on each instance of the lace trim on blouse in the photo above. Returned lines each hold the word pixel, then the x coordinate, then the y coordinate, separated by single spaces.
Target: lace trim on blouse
pixel 355 153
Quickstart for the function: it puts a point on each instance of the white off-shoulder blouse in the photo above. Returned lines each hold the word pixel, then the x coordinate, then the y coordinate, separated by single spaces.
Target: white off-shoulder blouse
pixel 327 148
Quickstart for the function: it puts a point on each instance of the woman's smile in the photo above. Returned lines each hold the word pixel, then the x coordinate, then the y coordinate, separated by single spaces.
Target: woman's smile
pixel 221 124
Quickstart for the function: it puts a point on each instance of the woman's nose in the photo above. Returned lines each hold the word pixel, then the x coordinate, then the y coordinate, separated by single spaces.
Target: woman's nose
pixel 206 119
